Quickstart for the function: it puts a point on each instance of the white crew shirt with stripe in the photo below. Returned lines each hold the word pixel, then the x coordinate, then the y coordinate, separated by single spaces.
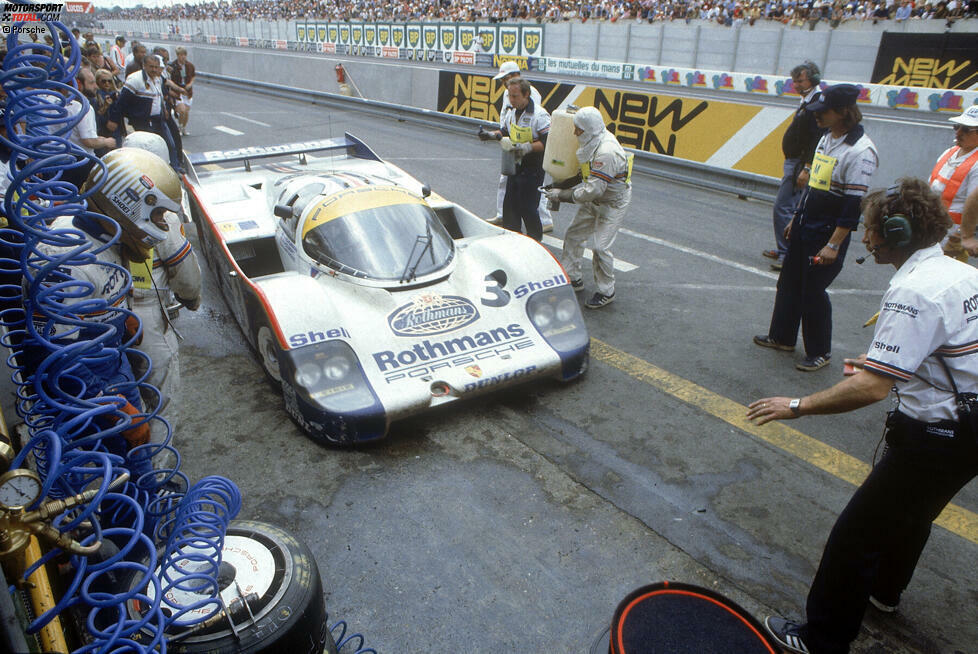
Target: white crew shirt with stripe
pixel 930 308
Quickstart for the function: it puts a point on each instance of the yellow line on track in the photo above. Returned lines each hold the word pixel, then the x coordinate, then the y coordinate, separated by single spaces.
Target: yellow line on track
pixel 955 519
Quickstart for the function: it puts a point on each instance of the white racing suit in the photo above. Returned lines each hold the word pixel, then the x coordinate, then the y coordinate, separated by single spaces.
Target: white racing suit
pixel 175 281
pixel 602 200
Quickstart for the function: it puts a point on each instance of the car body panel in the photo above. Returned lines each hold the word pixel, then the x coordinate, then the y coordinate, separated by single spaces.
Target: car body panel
pixel 360 348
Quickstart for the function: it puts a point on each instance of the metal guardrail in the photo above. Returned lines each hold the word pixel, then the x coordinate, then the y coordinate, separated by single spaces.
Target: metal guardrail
pixel 681 171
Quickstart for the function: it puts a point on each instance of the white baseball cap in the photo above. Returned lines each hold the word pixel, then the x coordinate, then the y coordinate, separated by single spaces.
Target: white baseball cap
pixel 969 118
pixel 507 68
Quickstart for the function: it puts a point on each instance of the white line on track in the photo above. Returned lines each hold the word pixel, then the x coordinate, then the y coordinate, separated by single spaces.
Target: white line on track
pixel 767 289
pixel 738 266
pixel 228 130
pixel 247 120
pixel 623 266
pixel 701 254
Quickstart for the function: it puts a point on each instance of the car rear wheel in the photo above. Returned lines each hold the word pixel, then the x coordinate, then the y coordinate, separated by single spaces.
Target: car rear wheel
pixel 269 353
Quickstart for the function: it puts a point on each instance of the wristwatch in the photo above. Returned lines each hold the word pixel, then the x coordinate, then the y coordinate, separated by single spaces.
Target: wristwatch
pixel 795 406
pixel 832 246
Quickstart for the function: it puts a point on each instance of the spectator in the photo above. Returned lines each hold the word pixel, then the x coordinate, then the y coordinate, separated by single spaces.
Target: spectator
pixel 84 134
pixel 98 61
pixel 134 62
pixel 183 73
pixel 142 104
pixel 105 97
pixel 119 59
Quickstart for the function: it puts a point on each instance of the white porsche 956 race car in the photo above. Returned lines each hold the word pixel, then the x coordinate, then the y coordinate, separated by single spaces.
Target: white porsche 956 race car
pixel 369 299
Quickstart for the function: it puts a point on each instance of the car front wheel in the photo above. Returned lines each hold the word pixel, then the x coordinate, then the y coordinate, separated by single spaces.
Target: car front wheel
pixel 269 353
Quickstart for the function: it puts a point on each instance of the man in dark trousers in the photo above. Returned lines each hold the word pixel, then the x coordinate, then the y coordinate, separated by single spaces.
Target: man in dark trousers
pixel 798 145
pixel 818 236
pixel 926 346
pixel 524 125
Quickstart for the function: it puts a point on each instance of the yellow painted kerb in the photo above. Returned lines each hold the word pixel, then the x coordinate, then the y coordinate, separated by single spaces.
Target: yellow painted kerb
pixel 955 519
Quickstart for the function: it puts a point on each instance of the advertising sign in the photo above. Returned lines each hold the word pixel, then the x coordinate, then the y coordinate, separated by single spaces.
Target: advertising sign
pixel 531 41
pixel 397 36
pixel 509 40
pixel 383 35
pixel 937 61
pixel 467 38
pixel 429 35
pixel 446 37
pixel 487 38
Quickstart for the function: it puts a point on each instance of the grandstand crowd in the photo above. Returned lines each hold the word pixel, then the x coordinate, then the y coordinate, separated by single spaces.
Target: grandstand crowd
pixel 725 12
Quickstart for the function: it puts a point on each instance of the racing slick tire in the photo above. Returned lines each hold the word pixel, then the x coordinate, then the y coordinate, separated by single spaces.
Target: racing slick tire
pixel 290 613
pixel 269 354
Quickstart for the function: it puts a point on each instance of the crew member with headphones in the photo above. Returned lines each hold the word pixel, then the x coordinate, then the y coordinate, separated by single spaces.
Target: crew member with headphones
pixel 926 347
pixel 818 236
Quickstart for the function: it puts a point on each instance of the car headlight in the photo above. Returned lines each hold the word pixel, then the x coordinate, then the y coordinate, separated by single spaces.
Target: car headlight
pixel 557 316
pixel 337 368
pixel 330 375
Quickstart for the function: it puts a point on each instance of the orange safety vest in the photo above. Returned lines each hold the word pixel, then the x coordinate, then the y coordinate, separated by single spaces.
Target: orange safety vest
pixel 952 185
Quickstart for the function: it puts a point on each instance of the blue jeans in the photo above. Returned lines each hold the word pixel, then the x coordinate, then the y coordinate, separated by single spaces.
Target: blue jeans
pixel 784 205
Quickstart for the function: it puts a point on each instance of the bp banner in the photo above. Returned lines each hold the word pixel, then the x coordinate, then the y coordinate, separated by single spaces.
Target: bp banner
pixel 332 34
pixel 351 36
pixel 937 61
pixel 466 38
pixel 446 37
pixel 531 41
pixel 413 35
pixel 487 38
pixel 509 40
pixel 397 36
pixel 300 32
pixel 370 34
pixel 430 34
pixel 384 35
pixel 322 30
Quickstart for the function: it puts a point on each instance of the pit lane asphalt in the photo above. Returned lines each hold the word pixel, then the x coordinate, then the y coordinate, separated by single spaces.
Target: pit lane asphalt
pixel 517 522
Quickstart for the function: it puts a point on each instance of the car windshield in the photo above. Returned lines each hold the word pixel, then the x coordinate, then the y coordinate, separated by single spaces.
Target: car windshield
pixel 379 234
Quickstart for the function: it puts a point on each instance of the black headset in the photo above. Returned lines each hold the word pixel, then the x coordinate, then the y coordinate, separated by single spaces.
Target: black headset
pixel 897 232
pixel 814 74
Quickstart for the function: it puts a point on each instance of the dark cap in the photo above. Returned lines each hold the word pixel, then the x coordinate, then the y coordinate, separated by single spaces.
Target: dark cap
pixel 836 97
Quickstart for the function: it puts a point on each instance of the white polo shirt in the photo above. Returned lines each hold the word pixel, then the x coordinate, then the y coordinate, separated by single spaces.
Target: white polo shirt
pixel 968 186
pixel 930 308
pixel 85 129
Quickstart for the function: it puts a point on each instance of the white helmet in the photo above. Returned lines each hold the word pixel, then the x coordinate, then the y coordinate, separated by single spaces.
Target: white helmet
pixel 137 183
pixel 148 141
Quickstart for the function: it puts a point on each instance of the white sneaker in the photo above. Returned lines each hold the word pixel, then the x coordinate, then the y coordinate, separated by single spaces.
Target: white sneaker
pixel 184 132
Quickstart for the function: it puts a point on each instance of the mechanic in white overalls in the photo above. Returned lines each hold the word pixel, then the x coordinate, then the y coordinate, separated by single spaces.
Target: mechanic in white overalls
pixel 603 196
pixel 158 297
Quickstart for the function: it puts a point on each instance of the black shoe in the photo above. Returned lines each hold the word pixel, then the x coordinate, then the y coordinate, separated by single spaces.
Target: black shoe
pixel 777 265
pixel 786 633
pixel 888 606
pixel 767 341
pixel 771 254
pixel 811 364
pixel 599 300
pixel 577 285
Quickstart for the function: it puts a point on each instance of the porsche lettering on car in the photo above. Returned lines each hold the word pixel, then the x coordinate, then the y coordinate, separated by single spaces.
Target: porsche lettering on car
pixel 368 298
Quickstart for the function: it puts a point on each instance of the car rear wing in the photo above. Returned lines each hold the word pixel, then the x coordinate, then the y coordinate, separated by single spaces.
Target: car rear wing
pixel 351 145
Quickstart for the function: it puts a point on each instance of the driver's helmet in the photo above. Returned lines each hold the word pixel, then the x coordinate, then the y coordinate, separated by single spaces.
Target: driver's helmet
pixel 137 183
pixel 148 141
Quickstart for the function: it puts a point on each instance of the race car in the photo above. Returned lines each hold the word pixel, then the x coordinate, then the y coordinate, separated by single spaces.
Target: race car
pixel 367 297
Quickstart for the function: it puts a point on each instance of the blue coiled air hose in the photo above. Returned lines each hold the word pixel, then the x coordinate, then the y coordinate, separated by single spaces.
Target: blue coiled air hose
pixel 54 350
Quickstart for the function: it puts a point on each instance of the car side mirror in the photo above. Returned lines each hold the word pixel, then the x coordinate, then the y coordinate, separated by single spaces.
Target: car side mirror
pixel 283 211
pixel 425 190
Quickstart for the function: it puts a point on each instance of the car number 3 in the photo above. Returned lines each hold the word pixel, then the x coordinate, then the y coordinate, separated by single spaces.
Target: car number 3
pixel 495 295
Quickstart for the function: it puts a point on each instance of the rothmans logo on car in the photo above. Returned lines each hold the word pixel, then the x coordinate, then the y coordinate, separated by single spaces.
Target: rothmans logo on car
pixel 431 314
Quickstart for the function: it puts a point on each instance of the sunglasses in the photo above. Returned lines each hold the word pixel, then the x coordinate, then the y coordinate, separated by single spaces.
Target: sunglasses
pixel 962 128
